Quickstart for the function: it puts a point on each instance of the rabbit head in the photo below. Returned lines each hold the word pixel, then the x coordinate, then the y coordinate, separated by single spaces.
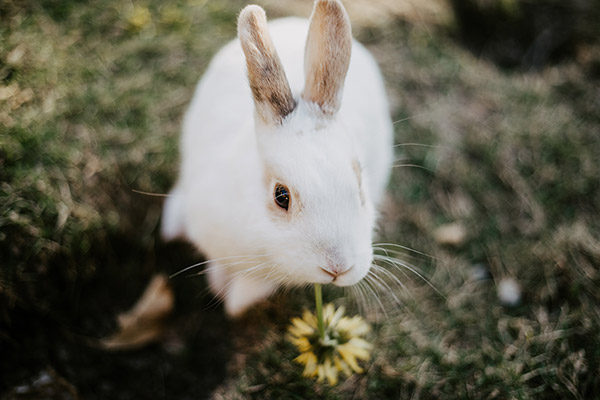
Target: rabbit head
pixel 319 215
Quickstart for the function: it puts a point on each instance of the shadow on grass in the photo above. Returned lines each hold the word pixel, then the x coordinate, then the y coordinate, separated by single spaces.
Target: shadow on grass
pixel 56 327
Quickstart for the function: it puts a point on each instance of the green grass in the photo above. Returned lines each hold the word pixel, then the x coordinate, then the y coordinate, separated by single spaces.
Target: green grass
pixel 90 108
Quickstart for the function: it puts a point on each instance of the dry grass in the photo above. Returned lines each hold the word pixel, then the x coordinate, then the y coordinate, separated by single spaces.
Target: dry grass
pixel 91 99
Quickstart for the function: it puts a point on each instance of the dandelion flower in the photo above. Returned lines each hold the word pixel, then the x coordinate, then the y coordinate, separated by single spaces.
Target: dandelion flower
pixel 329 342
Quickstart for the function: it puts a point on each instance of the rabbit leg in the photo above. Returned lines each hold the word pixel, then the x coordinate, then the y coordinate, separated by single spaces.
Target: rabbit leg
pixel 244 291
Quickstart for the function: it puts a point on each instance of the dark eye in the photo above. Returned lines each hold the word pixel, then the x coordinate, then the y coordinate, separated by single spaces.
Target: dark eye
pixel 282 196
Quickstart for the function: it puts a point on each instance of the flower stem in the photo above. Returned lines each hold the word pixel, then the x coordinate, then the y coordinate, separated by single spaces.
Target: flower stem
pixel 319 305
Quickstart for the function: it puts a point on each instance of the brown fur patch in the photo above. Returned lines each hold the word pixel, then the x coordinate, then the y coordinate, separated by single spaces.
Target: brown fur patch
pixel 269 85
pixel 327 55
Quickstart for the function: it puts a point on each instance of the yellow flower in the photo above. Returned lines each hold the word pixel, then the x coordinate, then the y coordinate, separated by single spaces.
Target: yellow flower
pixel 338 351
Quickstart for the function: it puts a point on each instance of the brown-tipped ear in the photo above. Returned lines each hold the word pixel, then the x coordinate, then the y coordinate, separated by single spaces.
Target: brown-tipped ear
pixel 327 55
pixel 270 88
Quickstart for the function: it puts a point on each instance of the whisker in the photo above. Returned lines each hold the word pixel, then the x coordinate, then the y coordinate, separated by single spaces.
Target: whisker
pixel 372 285
pixel 188 268
pixel 226 289
pixel 419 144
pixel 398 263
pixel 394 262
pixel 213 267
pixel 151 194
pixel 272 270
pixel 367 301
pixel 407 249
pixel 245 258
pixel 395 253
pixel 281 283
pixel 381 251
pixel 364 302
pixel 391 276
pixel 413 166
pixel 215 301
pixel 246 272
pixel 384 283
pixel 411 117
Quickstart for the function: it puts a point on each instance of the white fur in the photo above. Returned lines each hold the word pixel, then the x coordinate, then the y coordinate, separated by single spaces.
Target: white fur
pixel 223 204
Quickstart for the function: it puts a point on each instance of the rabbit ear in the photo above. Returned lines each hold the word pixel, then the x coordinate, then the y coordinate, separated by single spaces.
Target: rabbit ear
pixel 327 55
pixel 270 88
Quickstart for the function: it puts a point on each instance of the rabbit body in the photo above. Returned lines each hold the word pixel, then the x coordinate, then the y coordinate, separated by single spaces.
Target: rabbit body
pixel 335 166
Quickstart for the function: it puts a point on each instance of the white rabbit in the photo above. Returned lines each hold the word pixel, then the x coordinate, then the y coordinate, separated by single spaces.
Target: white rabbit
pixel 281 174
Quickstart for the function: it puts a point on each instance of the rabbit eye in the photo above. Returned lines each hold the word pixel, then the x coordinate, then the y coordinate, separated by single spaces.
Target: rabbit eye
pixel 282 196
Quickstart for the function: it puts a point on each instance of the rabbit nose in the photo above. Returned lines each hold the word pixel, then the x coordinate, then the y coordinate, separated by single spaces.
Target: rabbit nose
pixel 335 263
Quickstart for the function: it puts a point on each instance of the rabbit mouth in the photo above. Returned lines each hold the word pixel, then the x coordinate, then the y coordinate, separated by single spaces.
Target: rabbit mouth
pixel 337 277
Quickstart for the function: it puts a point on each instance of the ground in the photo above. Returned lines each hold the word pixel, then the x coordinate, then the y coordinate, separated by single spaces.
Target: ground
pixel 495 184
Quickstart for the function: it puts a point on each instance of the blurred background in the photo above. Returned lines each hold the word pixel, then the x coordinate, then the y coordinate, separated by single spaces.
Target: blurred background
pixel 495 187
